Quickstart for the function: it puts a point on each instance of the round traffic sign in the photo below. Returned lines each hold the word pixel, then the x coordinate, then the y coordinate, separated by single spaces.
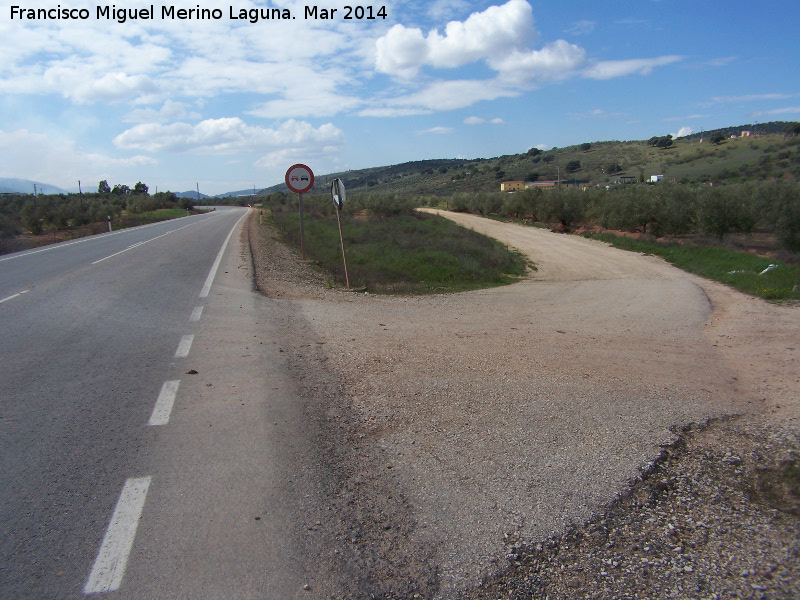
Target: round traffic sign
pixel 337 193
pixel 299 179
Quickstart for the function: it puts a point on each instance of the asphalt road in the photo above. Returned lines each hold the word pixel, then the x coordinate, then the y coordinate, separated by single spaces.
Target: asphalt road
pixel 121 474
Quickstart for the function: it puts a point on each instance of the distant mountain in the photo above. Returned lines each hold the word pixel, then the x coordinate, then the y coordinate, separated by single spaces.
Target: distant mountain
pixel 191 194
pixel 237 194
pixel 25 186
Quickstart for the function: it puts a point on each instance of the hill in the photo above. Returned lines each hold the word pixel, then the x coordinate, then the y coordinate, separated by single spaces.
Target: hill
pixel 763 154
pixel 9 185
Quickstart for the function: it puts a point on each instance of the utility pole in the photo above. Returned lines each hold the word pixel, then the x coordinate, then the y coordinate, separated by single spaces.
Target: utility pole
pixel 198 193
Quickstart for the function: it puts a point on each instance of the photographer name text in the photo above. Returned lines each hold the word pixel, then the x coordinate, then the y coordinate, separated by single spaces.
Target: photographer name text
pixel 173 13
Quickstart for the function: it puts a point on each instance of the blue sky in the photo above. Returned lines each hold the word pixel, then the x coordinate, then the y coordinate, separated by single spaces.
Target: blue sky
pixel 231 104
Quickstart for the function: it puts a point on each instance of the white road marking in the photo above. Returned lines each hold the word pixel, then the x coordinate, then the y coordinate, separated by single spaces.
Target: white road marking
pixel 184 346
pixel 198 310
pixel 163 407
pixel 13 296
pixel 109 567
pixel 131 247
pixel 213 272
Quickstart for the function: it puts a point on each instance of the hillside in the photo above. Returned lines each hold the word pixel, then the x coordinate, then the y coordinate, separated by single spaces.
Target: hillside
pixel 767 154
pixel 25 186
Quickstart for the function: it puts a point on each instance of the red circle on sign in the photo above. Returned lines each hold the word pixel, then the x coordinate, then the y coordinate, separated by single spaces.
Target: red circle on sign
pixel 299 179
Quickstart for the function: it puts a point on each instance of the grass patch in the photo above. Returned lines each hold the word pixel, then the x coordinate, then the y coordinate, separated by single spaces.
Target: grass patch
pixel 415 253
pixel 739 270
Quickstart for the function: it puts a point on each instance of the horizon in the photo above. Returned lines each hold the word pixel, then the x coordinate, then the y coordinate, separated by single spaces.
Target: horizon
pixel 239 102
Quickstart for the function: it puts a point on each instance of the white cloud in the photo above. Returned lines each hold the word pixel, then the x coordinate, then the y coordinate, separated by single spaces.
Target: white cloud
pixel 683 132
pixel 170 111
pixel 555 61
pixel 480 121
pixel 611 69
pixel 58 162
pixel 436 131
pixel 450 95
pixel 485 35
pixel 231 136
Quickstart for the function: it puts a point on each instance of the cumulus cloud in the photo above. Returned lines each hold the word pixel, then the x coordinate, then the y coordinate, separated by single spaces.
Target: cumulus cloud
pixel 228 136
pixel 555 61
pixel 501 37
pixel 488 35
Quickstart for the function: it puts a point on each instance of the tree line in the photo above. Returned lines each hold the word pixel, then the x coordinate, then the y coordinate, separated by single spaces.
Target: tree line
pixel 661 209
pixel 35 213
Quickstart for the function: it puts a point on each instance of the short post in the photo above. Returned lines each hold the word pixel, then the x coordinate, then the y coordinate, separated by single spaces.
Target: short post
pixel 109 223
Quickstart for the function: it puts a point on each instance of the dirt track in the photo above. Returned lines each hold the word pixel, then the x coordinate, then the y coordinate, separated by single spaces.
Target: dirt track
pixel 506 414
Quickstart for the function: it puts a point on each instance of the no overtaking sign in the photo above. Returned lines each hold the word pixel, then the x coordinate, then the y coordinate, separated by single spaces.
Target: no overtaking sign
pixel 299 179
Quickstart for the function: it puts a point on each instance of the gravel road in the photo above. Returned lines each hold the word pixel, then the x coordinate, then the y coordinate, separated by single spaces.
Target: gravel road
pixel 485 431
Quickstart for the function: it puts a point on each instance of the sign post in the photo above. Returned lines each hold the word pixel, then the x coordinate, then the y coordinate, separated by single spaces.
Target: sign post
pixel 300 179
pixel 337 195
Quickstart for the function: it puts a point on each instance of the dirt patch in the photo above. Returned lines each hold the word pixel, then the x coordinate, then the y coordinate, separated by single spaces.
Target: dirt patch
pixel 503 417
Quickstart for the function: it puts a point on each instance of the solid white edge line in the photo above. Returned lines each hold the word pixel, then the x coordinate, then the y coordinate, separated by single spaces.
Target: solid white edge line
pixel 213 272
pixel 163 407
pixel 14 296
pixel 196 314
pixel 184 347
pixel 109 566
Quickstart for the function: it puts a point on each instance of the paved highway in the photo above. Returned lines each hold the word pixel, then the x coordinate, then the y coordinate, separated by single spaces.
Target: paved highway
pixel 120 473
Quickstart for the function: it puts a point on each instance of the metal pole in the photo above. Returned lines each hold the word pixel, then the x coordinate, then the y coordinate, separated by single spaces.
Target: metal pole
pixel 302 237
pixel 344 258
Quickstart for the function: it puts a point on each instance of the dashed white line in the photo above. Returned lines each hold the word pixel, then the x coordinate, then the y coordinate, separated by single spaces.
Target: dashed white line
pixel 213 272
pixel 14 296
pixel 163 407
pixel 109 567
pixel 184 347
pixel 198 310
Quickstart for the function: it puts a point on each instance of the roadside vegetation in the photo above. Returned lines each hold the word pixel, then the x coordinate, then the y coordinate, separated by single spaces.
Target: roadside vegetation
pixel 393 249
pixel 28 221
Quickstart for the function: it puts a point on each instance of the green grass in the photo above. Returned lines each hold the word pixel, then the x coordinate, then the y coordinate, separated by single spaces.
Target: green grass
pixel 405 254
pixel 739 270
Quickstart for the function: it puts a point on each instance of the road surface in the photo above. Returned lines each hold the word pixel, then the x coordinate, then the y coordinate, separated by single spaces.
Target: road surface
pixel 122 472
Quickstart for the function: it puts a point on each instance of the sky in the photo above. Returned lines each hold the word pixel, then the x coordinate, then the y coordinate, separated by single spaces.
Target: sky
pixel 230 103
